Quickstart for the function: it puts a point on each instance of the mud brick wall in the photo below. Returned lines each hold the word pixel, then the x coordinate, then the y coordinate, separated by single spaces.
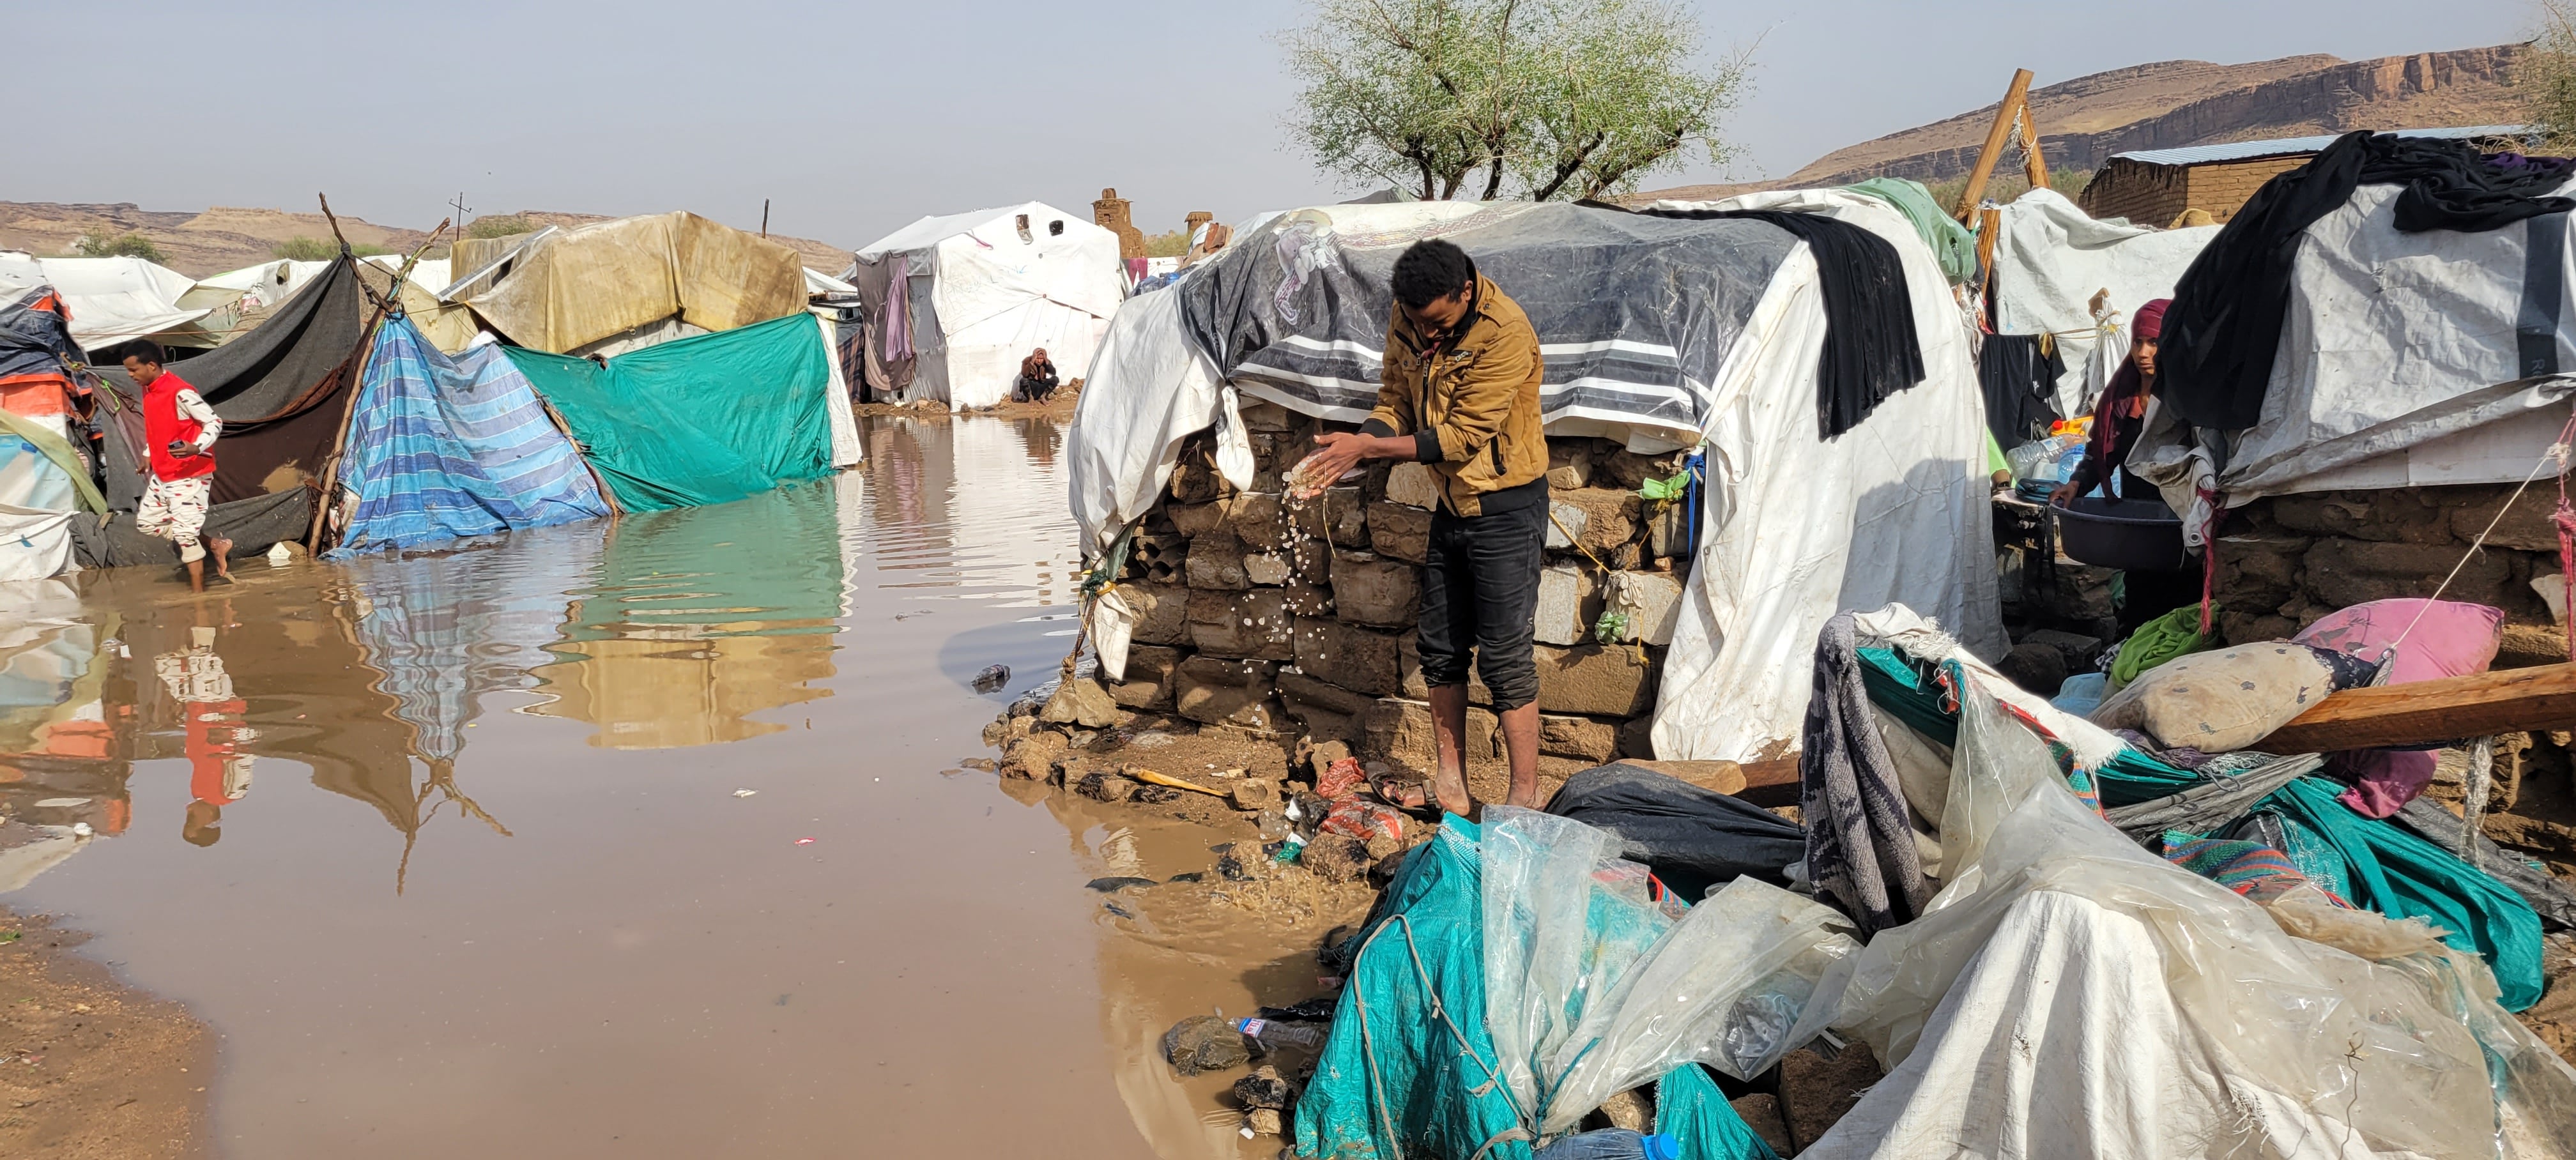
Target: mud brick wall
pixel 1275 618
pixel 2287 561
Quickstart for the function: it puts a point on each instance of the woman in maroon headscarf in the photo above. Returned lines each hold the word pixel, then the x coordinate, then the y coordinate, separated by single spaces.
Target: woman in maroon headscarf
pixel 2121 414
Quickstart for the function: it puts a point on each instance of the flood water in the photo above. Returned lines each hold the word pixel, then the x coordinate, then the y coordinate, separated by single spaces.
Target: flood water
pixel 455 852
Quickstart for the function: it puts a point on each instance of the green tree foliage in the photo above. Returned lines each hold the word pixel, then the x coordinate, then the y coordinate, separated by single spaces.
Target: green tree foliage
pixel 499 226
pixel 2546 76
pixel 1564 98
pixel 2007 184
pixel 126 245
pixel 319 249
pixel 1167 245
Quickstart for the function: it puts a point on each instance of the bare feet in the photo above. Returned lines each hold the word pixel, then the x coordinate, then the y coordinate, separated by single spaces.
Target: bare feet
pixel 221 550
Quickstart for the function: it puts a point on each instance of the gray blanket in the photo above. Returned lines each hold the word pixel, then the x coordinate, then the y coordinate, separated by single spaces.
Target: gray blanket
pixel 1860 837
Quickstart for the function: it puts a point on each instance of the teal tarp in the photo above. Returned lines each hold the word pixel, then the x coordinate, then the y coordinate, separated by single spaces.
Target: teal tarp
pixel 1411 1071
pixel 702 420
pixel 2391 870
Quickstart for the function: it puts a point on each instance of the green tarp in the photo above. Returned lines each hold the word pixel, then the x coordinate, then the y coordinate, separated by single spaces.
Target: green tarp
pixel 698 421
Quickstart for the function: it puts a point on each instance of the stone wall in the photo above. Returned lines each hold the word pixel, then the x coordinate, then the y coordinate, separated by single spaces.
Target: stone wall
pixel 1274 617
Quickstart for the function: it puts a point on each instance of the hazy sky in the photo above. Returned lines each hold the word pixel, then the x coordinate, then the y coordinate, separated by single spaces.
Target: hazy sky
pixel 858 117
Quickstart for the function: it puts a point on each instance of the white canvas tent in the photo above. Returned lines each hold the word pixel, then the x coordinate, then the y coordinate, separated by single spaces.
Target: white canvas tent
pixel 962 299
pixel 2051 259
pixel 1798 526
pixel 116 299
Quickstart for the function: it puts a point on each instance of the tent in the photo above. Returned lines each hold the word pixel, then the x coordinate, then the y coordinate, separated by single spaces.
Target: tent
pixel 612 286
pixel 954 303
pixel 1662 332
pixel 440 448
pixel 113 300
pixel 703 420
pixel 2050 259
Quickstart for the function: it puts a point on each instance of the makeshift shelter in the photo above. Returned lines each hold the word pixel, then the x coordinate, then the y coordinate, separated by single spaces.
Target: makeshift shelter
pixel 1662 333
pixel 440 448
pixel 703 420
pixel 954 303
pixel 618 285
pixel 2050 259
pixel 2154 186
pixel 113 300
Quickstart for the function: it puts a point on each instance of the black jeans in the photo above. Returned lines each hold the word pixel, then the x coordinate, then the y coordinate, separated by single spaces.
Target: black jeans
pixel 1480 592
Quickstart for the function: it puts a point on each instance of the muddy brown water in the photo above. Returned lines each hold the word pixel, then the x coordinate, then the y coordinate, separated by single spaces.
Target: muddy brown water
pixel 451 852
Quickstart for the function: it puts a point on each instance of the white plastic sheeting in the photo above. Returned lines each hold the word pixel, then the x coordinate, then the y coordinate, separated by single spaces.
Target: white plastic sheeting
pixel 1150 389
pixel 846 448
pixel 998 290
pixel 2399 346
pixel 2069 994
pixel 111 299
pixel 37 503
pixel 2051 259
pixel 1799 528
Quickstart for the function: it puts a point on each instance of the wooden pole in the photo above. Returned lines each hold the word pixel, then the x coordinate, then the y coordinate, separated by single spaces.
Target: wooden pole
pixel 1990 226
pixel 1995 138
pixel 764 217
pixel 2428 712
pixel 2034 166
pixel 357 373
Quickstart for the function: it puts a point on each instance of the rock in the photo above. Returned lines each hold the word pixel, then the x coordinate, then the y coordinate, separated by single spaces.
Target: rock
pixel 2036 668
pixel 2077 649
pixel 2257 574
pixel 1400 532
pixel 1637 738
pixel 1306 600
pixel 1243 865
pixel 1033 756
pixel 1398 728
pixel 1415 687
pixel 1325 753
pixel 1260 520
pixel 1608 522
pixel 1265 417
pixel 1162 612
pixel 997 730
pixel 1595 680
pixel 1630 1110
pixel 1413 485
pixel 1568 603
pixel 1196 520
pixel 1653 602
pixel 1265 1088
pixel 1155 795
pixel 1668 529
pixel 1578 737
pixel 1565 525
pixel 1070 769
pixel 1569 463
pixel 1216 562
pixel 1213 690
pixel 1367 590
pixel 1628 471
pixel 1267 569
pixel 1194 478
pixel 1262 1121
pixel 1204 1043
pixel 1336 858
pixel 1339 517
pixel 1081 701
pixel 1310 560
pixel 1253 796
pixel 1352 657
pixel 1302 689
pixel 2343 572
pixel 1149 677
pixel 1252 624
pixel 1104 787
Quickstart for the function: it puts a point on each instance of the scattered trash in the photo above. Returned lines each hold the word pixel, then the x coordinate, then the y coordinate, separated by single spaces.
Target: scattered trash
pixel 1611 1144
pixel 804 841
pixel 1203 1043
pixel 1116 883
pixel 1121 911
pixel 1288 849
pixel 279 555
pixel 1341 779
pixel 81 829
pixel 1273 1036
pixel 1191 876
pixel 745 792
pixel 992 679
pixel 1155 795
pixel 1143 774
pixel 1264 1088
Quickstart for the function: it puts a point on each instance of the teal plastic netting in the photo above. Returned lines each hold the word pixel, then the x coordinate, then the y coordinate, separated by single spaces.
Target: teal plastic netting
pixel 2388 869
pixel 702 420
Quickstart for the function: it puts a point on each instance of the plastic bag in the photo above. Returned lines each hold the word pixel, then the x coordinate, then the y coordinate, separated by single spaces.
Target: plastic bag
pixel 2039 461
pixel 1537 903
pixel 1724 987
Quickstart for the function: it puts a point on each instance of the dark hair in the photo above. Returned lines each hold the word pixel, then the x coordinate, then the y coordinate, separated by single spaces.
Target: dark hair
pixel 145 349
pixel 1431 269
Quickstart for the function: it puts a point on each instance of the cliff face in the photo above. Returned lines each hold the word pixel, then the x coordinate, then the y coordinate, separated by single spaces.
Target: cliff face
pixel 2169 104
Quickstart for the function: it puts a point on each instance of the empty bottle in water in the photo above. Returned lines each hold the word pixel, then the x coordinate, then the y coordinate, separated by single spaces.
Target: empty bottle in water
pixel 1274 1035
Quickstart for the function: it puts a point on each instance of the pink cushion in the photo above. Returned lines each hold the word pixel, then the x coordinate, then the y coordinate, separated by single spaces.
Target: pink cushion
pixel 2451 640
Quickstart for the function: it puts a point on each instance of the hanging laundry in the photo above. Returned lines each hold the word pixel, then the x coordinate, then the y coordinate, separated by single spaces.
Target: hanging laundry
pixel 2019 373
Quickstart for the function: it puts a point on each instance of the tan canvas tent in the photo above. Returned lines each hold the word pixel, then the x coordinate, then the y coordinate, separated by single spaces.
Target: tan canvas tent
pixel 568 290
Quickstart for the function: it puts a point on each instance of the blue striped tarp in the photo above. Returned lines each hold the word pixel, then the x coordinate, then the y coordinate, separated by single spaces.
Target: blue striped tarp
pixel 444 447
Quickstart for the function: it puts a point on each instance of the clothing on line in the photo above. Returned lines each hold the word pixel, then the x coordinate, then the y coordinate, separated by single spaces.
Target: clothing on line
pixel 2019 373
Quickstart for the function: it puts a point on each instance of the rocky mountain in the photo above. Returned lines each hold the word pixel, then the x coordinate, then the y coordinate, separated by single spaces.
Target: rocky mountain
pixel 2168 104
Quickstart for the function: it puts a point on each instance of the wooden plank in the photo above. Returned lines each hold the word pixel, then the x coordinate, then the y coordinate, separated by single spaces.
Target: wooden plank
pixel 2033 166
pixel 2432 712
pixel 1995 137
pixel 1763 783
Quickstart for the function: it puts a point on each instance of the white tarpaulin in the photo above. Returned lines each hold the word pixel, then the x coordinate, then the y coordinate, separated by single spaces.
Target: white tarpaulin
pixel 2398 344
pixel 1799 528
pixel 1149 389
pixel 846 448
pixel 37 503
pixel 2051 259
pixel 1001 283
pixel 112 299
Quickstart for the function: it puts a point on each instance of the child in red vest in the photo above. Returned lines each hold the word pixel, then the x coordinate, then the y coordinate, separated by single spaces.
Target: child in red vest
pixel 181 429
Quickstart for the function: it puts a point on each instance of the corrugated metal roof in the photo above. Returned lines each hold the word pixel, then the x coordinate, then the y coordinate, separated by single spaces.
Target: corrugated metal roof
pixel 2292 146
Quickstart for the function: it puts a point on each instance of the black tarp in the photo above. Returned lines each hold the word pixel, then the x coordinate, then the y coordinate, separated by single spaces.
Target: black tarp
pixel 1692 838
pixel 281 391
pixel 2019 382
pixel 254 525
pixel 34 342
pixel 1635 313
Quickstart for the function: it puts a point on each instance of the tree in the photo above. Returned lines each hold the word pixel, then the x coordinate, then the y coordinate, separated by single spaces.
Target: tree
pixel 1568 98
pixel 2547 76
pixel 303 249
pixel 126 245
pixel 499 226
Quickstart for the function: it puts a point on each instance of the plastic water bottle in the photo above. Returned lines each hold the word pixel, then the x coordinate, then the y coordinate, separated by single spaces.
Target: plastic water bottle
pixel 1274 1036
pixel 1611 1144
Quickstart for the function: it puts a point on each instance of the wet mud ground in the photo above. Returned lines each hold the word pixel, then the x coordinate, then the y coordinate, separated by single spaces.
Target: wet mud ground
pixel 452 852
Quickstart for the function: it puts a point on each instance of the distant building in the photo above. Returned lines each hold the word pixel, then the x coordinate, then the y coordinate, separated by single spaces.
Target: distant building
pixel 2153 187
